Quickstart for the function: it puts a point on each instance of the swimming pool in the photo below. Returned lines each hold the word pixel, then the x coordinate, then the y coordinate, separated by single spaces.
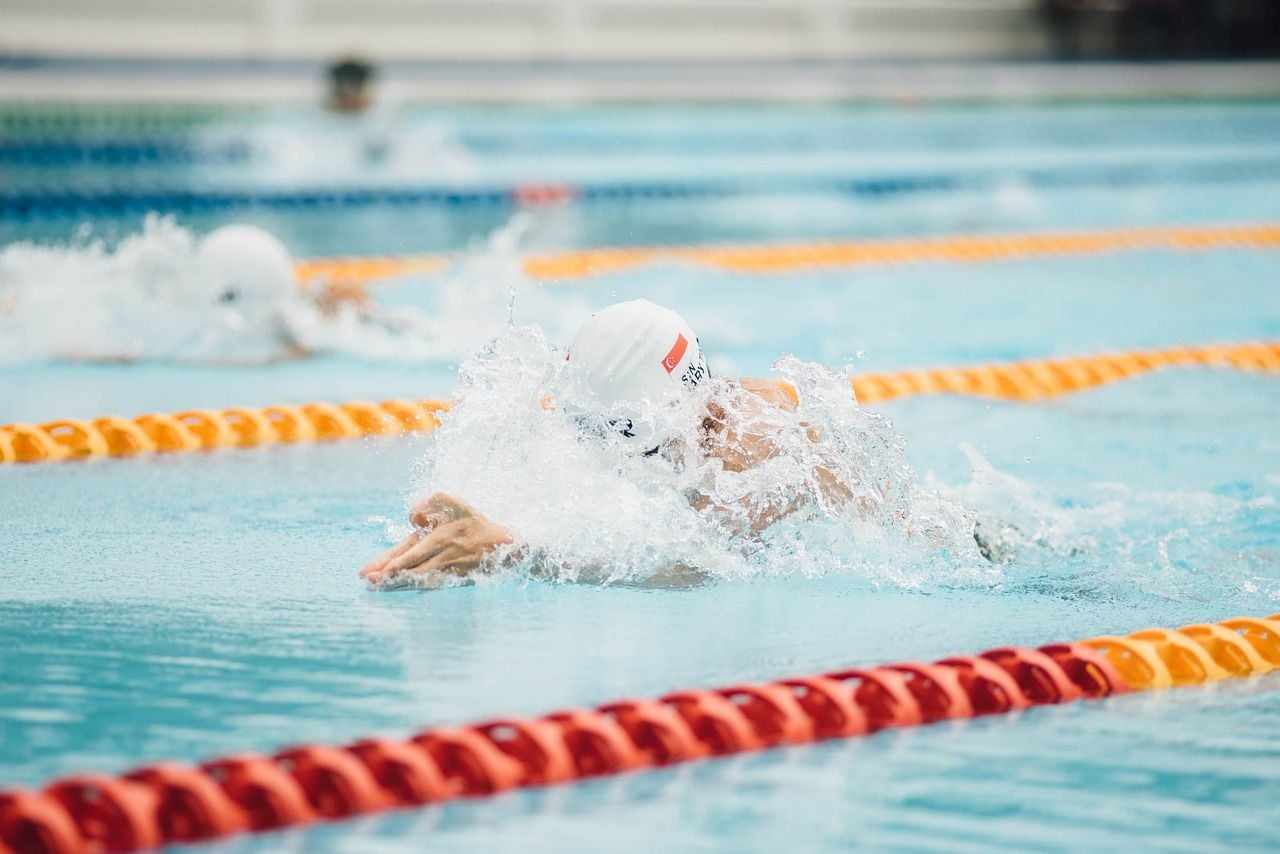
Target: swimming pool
pixel 194 605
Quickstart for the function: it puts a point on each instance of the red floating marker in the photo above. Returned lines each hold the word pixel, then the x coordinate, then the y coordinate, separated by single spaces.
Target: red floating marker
pixel 883 696
pixel 538 746
pixel 111 814
pixel 36 823
pixel 596 742
pixel 149 807
pixel 773 712
pixel 990 690
pixel 1039 676
pixel 190 806
pixel 1088 668
pixel 937 690
pixel 405 770
pixel 269 797
pixel 471 764
pixel 660 735
pixel 829 705
pixel 335 783
pixel 717 723
pixel 532 195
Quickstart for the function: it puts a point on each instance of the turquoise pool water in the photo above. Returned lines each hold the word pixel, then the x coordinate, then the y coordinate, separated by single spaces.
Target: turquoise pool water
pixel 188 606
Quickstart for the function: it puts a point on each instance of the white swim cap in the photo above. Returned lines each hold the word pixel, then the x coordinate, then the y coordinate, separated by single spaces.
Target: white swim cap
pixel 635 356
pixel 246 265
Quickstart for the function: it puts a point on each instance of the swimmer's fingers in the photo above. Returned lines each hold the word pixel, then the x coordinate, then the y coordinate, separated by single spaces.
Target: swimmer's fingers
pixel 378 565
pixel 414 558
pixel 455 560
pixel 465 545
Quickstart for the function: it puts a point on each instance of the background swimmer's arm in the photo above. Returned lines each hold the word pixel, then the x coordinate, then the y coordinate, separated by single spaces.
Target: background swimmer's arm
pixel 330 296
pixel 449 537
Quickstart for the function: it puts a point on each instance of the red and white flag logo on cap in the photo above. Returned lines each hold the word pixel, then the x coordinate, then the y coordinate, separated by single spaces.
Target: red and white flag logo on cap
pixel 676 353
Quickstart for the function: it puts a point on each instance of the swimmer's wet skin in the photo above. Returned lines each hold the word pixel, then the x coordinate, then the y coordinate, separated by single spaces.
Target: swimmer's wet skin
pixel 635 356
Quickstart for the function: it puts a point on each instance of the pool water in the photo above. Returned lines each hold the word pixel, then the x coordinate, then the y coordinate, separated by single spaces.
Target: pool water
pixel 782 172
pixel 193 605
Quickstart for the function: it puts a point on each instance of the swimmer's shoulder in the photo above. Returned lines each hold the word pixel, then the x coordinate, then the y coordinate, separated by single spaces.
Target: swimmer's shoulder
pixel 780 393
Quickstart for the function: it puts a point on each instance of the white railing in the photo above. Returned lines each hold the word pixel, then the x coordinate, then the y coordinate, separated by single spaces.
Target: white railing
pixel 524 29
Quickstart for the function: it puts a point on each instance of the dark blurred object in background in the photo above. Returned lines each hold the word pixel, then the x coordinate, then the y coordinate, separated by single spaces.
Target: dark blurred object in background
pixel 1164 29
pixel 351 85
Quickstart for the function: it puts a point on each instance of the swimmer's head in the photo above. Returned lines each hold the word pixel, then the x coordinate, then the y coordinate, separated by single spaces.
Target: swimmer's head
pixel 248 268
pixel 636 357
pixel 350 81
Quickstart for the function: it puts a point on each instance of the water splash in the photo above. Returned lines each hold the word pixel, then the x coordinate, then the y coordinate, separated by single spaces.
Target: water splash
pixel 524 445
pixel 588 505
pixel 378 148
pixel 147 298
pixel 1109 541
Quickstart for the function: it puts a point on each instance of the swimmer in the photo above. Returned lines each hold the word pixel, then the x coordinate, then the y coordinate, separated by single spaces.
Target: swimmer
pixel 633 356
pixel 252 276
pixel 350 85
pixel 231 297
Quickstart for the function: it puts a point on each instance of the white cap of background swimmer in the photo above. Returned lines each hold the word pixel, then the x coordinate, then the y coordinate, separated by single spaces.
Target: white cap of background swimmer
pixel 635 353
pixel 246 265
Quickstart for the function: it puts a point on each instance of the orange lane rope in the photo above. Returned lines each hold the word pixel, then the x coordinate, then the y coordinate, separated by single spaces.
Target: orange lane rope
pixel 1041 379
pixel 781 258
pixel 367 269
pixel 171 803
pixel 205 429
pixel 248 426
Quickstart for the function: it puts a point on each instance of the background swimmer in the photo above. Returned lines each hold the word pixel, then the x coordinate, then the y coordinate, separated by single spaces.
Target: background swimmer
pixel 351 85
pixel 741 453
pixel 230 297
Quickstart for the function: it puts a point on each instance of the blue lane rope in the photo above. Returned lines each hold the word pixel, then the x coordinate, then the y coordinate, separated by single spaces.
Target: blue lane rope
pixel 40 202
pixel 121 152
pixel 120 138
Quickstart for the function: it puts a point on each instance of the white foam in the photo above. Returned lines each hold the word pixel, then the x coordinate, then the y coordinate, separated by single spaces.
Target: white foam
pixel 150 298
pixel 587 506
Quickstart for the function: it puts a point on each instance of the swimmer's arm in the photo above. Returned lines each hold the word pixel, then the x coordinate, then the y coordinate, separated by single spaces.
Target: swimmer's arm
pixel 331 296
pixel 743 448
pixel 783 396
pixel 449 537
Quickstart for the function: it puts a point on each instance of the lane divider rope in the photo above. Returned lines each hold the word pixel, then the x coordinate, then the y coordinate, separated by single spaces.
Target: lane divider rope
pixel 135 196
pixel 206 429
pixel 1041 379
pixel 60 140
pixel 251 426
pixel 782 258
pixel 170 803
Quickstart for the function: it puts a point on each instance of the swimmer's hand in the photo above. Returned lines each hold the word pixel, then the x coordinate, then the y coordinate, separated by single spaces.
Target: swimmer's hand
pixel 449 536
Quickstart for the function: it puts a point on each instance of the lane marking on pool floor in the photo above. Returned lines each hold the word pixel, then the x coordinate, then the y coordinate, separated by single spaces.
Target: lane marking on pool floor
pixel 256 426
pixel 171 803
pixel 780 258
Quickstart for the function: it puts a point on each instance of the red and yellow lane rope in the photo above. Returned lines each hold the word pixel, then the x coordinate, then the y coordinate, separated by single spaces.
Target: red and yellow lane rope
pixel 171 803
pixel 250 426
pixel 781 258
